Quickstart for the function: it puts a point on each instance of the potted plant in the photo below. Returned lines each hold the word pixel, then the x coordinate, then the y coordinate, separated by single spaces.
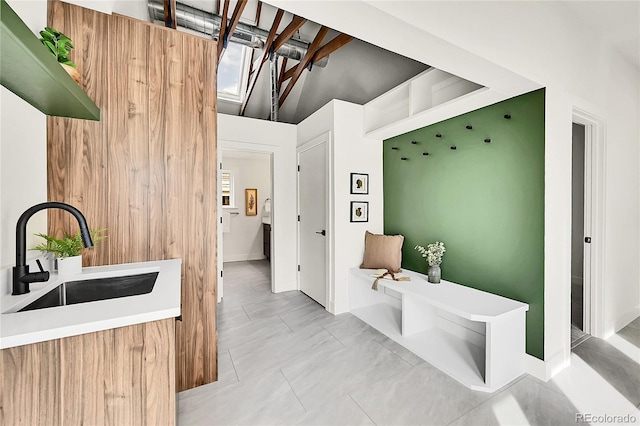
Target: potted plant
pixel 60 45
pixel 433 254
pixel 68 249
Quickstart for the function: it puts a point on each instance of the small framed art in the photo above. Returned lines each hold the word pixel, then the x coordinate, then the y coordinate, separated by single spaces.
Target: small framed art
pixel 359 211
pixel 359 183
pixel 251 201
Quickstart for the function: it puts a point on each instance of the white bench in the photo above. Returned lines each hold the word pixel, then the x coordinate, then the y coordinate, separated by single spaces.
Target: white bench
pixel 478 338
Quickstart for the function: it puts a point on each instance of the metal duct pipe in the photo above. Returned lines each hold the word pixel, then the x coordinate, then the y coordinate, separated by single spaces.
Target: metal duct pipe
pixel 273 79
pixel 248 35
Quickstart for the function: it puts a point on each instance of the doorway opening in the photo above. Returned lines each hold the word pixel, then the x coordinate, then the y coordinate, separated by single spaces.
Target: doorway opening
pixel 587 230
pixel 579 238
pixel 245 190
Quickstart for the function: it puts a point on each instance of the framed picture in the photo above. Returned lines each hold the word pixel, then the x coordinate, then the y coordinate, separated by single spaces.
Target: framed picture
pixel 251 201
pixel 359 211
pixel 359 183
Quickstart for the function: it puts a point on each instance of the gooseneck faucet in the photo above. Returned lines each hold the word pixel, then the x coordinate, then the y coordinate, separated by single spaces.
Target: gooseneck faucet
pixel 21 275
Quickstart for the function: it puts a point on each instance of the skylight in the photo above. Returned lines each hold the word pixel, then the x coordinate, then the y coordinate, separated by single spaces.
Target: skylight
pixel 232 73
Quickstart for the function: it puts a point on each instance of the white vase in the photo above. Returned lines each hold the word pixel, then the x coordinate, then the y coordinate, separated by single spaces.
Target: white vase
pixel 70 265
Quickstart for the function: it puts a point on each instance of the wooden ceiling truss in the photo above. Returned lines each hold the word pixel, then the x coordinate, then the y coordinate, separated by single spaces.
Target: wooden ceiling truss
pixel 274 41
pixel 227 28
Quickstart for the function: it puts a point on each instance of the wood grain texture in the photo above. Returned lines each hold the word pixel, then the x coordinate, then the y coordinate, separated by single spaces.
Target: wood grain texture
pixel 147 171
pixel 120 376
pixel 79 154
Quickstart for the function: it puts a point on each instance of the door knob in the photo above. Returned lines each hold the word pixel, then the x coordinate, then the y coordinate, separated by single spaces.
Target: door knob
pixel 323 232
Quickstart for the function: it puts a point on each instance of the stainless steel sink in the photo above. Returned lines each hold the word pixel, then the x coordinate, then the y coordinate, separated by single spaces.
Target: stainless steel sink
pixel 72 292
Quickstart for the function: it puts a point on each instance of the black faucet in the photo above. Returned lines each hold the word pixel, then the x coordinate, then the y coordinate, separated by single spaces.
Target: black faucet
pixel 21 275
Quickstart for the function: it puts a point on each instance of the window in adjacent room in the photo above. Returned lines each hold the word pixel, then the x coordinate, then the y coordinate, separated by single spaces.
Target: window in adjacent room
pixel 227 189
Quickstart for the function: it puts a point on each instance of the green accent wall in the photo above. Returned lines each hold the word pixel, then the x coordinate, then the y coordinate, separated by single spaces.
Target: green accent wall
pixel 485 201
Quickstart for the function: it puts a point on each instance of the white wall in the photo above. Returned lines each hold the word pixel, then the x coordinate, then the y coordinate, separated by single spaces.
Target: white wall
pixel 350 152
pixel 279 139
pixel 252 170
pixel 23 158
pixel 516 47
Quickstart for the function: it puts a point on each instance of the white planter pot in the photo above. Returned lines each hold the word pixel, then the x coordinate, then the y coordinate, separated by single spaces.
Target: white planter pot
pixel 70 265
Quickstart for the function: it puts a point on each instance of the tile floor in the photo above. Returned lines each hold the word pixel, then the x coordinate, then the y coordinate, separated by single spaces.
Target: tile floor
pixel 284 360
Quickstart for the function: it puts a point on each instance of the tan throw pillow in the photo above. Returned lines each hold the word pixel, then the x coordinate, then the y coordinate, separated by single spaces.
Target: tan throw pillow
pixel 382 252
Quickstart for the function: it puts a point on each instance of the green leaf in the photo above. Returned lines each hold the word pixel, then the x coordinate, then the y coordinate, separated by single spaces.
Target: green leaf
pixel 50 46
pixel 47 35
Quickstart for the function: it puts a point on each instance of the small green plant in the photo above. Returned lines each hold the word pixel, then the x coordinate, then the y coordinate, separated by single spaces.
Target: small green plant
pixel 433 252
pixel 59 44
pixel 69 245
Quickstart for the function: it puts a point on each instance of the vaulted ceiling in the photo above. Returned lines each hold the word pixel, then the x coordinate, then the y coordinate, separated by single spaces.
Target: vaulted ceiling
pixel 329 65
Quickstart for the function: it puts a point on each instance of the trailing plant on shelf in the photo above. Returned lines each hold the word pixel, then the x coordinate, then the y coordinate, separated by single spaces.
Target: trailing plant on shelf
pixel 69 245
pixel 59 44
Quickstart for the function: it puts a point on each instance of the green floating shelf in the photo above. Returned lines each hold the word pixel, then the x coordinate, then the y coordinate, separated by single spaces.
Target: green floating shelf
pixel 30 71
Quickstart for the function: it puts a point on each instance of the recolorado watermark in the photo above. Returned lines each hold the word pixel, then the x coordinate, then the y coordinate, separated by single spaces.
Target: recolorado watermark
pixel 606 418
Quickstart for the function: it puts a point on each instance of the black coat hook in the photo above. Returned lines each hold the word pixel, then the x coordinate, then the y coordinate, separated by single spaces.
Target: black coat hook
pixel 469 127
pixel 404 158
pixel 394 147
pixel 414 142
pixel 507 116
pixel 425 153
pixel 487 140
pixel 438 135
pixel 454 147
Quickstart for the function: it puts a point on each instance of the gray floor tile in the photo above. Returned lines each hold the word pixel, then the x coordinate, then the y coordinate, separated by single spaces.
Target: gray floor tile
pixel 623 375
pixel 352 331
pixel 338 411
pixel 421 395
pixel 526 402
pixel 254 358
pixel 254 331
pixel 315 381
pixel 284 360
pixel 262 400
pixel 631 333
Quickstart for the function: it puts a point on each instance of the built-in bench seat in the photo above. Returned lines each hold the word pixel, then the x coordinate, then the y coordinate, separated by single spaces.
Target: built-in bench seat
pixel 478 338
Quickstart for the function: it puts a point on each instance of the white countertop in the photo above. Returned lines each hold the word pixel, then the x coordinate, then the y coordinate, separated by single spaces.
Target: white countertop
pixel 22 328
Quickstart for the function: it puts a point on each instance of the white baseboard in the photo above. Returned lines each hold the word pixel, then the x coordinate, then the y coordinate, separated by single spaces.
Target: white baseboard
pixel 340 307
pixel 243 257
pixel 623 320
pixel 545 370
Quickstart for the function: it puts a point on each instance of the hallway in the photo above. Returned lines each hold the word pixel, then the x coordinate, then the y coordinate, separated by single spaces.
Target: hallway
pixel 284 360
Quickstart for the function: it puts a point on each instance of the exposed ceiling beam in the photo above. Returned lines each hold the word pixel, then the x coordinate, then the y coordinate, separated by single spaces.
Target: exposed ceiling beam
pixel 304 62
pixel 258 13
pixel 170 13
pixel 235 17
pixel 288 73
pixel 331 47
pixel 223 28
pixel 263 58
pixel 288 32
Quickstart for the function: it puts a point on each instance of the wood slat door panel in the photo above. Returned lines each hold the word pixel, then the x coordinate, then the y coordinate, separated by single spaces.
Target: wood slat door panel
pixel 146 171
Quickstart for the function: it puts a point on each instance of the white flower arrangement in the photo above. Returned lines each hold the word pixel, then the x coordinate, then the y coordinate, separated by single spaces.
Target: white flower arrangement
pixel 433 252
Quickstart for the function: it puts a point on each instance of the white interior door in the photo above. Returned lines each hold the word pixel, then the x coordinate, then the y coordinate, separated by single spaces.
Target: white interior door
pixel 312 198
